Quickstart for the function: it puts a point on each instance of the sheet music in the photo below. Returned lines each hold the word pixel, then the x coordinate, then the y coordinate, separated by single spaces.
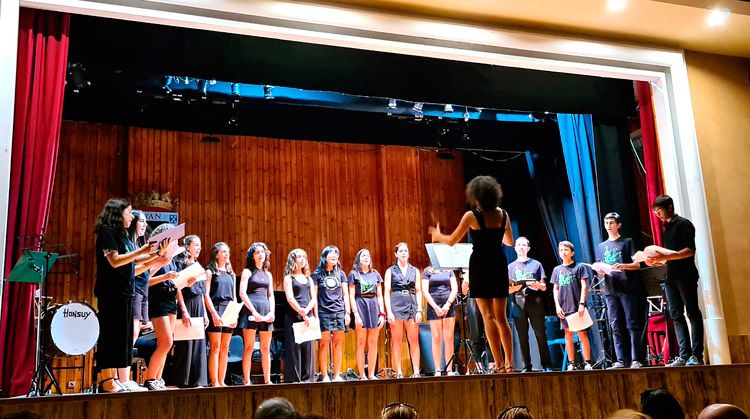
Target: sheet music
pixel 231 313
pixel 443 256
pixel 603 267
pixel 577 322
pixel 305 333
pixel 195 331
pixel 194 270
pixel 173 234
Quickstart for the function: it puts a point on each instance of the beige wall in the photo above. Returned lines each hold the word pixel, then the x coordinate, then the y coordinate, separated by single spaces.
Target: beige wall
pixel 720 91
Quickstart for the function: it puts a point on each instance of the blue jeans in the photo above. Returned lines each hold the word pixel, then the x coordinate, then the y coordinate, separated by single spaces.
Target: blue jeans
pixel 626 314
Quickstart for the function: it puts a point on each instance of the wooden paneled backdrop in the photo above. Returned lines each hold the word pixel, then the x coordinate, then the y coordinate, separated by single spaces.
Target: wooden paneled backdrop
pixel 286 193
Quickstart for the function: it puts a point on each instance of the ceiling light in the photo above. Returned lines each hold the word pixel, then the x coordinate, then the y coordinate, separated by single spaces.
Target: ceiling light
pixel 717 17
pixel 616 5
pixel 267 94
pixel 418 107
pixel 448 108
pixel 391 103
pixel 466 115
pixel 167 82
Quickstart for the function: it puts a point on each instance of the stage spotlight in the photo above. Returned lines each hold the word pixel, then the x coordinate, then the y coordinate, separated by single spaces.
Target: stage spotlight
pixel 466 115
pixel 267 92
pixel 235 89
pixel 418 107
pixel 391 103
pixel 448 108
pixel 445 154
pixel 203 87
pixel 167 82
pixel 77 77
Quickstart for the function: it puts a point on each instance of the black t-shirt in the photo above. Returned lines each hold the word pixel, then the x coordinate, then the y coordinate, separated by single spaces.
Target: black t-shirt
pixel 113 282
pixel 330 295
pixel 611 252
pixel 568 279
pixel 679 233
pixel 529 270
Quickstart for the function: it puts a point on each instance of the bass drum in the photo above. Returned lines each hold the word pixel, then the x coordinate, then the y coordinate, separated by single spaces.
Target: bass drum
pixel 73 328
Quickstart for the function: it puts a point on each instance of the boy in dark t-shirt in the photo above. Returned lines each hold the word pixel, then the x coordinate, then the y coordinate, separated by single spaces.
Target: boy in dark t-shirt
pixel 571 282
pixel 624 295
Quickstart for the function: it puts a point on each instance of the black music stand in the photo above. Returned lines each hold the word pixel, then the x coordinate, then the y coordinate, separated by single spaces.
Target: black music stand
pixel 33 267
pixel 456 257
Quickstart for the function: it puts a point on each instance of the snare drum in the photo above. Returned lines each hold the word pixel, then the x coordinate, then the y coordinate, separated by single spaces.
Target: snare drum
pixel 73 328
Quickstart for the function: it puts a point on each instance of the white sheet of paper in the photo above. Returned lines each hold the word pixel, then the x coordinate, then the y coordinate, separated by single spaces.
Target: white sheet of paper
pixel 651 251
pixel 576 322
pixel 604 267
pixel 194 270
pixel 174 251
pixel 231 313
pixel 195 331
pixel 305 333
pixel 173 234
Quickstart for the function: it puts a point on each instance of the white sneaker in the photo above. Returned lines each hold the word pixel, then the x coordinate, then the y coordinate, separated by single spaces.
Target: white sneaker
pixel 571 367
pixel 339 378
pixel 132 386
pixel 617 365
pixel 587 367
pixel 636 364
pixel 326 379
pixel 437 374
pixel 451 373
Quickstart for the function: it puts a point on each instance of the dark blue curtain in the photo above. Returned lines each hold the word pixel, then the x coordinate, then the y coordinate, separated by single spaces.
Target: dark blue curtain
pixel 577 136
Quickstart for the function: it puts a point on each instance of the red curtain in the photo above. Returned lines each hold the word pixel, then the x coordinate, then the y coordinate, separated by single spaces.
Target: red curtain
pixel 40 88
pixel 651 161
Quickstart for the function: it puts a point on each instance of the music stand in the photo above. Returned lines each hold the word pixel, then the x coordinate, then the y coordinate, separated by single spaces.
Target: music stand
pixel 33 267
pixel 456 257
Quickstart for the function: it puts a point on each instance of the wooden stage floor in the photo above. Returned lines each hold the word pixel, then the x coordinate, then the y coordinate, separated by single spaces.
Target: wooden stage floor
pixel 580 394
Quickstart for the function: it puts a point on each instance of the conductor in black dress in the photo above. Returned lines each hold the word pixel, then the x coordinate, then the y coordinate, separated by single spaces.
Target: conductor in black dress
pixel 489 228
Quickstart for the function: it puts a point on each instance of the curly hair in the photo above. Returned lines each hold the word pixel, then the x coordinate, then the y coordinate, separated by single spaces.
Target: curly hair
pixel 250 263
pixel 485 192
pixel 291 262
pixel 111 216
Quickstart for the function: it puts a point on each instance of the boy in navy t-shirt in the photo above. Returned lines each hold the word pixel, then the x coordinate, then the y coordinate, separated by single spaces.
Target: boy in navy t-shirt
pixel 571 283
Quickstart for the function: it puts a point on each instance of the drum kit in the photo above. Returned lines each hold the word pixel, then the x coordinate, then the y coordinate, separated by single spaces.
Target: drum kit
pixel 62 330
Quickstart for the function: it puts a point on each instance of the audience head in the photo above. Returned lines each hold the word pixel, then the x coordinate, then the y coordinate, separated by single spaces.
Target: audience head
pixel 660 404
pixel 275 408
pixel 515 412
pixel 24 414
pixel 484 192
pixel 628 414
pixel 722 411
pixel 399 410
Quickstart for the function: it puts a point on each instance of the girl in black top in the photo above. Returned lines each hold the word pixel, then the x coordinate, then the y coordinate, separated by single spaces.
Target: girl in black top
pixel 489 228
pixel 116 258
pixel 189 356
pixel 258 313
pixel 302 297
pixel 403 303
pixel 220 286
pixel 333 311
pixel 366 296
pixel 440 289
pixel 162 310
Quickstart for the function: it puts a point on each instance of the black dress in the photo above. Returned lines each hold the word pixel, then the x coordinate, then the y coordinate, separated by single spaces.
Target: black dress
pixel 488 265
pixel 299 357
pixel 190 360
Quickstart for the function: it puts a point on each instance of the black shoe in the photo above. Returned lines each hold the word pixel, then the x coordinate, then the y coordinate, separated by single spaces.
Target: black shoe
pixel 526 369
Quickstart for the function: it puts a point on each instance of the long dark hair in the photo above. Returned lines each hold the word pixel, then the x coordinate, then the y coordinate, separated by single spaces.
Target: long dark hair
pixel 133 229
pixel 321 268
pixel 291 262
pixel 111 216
pixel 357 266
pixel 250 263
pixel 395 250
pixel 212 266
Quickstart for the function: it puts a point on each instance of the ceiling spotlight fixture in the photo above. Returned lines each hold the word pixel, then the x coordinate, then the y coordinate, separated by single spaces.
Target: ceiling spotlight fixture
pixel 77 77
pixel 235 89
pixel 391 103
pixel 267 92
pixel 466 115
pixel 418 107
pixel 718 17
pixel 616 5
pixel 167 81
pixel 448 108
pixel 203 87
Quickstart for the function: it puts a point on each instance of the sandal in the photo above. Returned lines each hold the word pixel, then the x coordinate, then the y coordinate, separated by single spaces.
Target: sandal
pixel 117 387
pixel 509 369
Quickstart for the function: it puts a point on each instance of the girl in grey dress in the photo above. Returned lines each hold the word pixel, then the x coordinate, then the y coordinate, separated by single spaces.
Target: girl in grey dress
pixel 403 303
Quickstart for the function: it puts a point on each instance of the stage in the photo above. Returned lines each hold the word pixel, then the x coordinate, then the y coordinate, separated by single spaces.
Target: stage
pixel 548 395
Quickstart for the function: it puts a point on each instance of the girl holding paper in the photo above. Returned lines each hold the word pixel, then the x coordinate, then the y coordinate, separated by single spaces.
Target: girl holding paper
pixel 220 286
pixel 302 297
pixel 366 295
pixel 257 315
pixel 189 359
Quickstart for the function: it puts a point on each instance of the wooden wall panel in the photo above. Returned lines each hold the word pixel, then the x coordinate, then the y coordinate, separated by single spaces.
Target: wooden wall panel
pixel 574 395
pixel 286 193
pixel 739 348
